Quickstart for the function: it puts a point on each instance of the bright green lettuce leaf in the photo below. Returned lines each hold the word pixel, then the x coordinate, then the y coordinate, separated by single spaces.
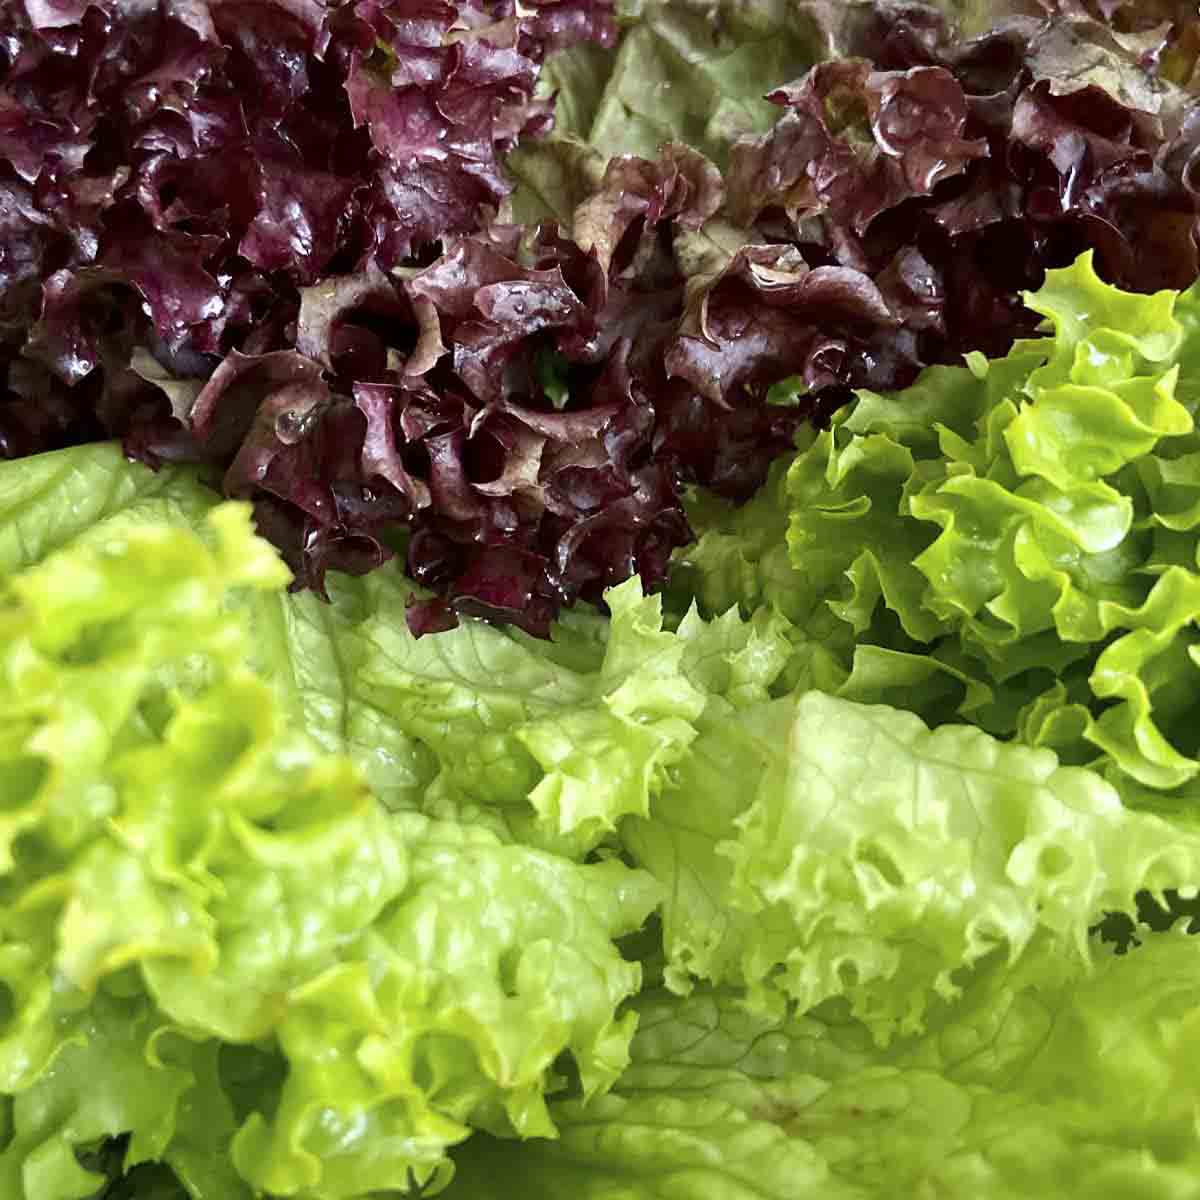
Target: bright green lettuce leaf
pixel 741 557
pixel 1046 1081
pixel 555 744
pixel 1024 528
pixel 547 744
pixel 814 848
pixel 546 751
pixel 122 1071
pixel 188 877
pixel 450 1013
pixel 308 649
pixel 564 741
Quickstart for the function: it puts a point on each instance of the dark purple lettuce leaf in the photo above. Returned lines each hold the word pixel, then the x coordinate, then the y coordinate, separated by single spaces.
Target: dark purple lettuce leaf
pixel 938 179
pixel 301 212
pixel 266 236
pixel 513 498
pixel 553 24
pixel 445 98
pixel 27 238
pixel 769 316
pixel 81 311
pixel 533 504
pixel 221 155
pixel 636 195
pixel 206 209
pixel 854 143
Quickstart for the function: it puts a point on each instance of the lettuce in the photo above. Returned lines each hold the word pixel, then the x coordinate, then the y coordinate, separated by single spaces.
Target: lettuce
pixel 682 72
pixel 1025 523
pixel 815 847
pixel 293 990
pixel 1040 1082
pixel 301 991
pixel 214 938
pixel 524 869
pixel 303 646
pixel 548 743
pixel 281 247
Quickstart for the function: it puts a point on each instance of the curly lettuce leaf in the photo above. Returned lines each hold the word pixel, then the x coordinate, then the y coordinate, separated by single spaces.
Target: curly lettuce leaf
pixel 815 848
pixel 123 1071
pixel 308 649
pixel 547 743
pixel 1027 524
pixel 548 752
pixel 450 1013
pixel 565 752
pixel 217 943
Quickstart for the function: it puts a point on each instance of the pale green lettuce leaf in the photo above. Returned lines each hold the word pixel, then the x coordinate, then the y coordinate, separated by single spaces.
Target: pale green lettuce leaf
pixel 452 1012
pixel 1052 1081
pixel 683 72
pixel 686 73
pixel 704 935
pixel 657 1147
pixel 562 753
pixel 53 500
pixel 814 848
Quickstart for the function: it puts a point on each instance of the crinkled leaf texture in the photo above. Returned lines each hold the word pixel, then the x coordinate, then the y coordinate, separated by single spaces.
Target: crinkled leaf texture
pixel 273 238
pixel 308 650
pixel 1043 1081
pixel 300 993
pixel 815 847
pixel 926 164
pixel 549 743
pixel 209 210
pixel 681 73
pixel 215 940
pixel 1021 531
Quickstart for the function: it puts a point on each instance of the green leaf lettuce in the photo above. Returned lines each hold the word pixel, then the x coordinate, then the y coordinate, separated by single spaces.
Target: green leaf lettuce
pixel 216 939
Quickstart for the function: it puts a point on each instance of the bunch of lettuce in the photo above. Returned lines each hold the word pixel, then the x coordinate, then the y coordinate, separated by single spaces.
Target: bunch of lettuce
pixel 888 207
pixel 216 945
pixel 799 878
pixel 277 239
pixel 299 904
pixel 208 212
pixel 1014 539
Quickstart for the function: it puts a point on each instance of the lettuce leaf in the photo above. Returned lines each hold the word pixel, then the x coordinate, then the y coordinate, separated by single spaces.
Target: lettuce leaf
pixel 313 995
pixel 215 940
pixel 307 648
pixel 549 744
pixel 1042 1081
pixel 683 72
pixel 813 847
pixel 1027 523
